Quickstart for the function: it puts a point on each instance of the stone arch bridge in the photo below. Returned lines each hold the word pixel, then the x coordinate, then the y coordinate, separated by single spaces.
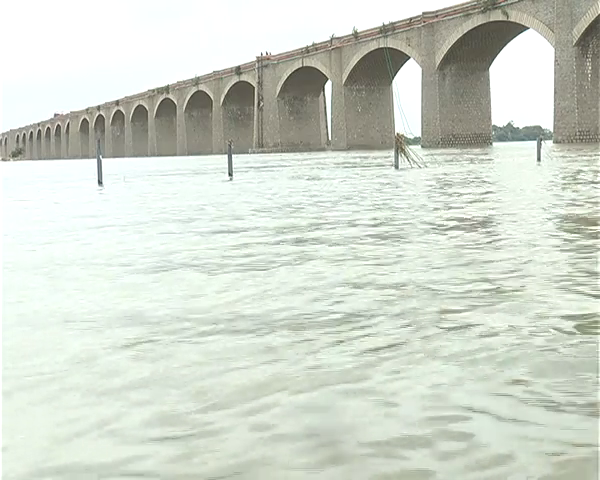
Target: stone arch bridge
pixel 277 103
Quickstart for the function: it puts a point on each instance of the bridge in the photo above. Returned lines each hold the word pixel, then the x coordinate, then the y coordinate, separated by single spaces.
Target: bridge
pixel 277 102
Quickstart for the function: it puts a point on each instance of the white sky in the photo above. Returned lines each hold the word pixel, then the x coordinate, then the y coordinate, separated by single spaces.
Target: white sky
pixel 69 54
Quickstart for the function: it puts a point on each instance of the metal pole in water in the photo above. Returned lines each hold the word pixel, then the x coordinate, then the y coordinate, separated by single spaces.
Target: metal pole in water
pixel 396 156
pixel 539 149
pixel 230 159
pixel 99 162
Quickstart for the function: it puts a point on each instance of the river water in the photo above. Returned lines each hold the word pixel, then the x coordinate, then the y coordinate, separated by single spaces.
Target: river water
pixel 321 316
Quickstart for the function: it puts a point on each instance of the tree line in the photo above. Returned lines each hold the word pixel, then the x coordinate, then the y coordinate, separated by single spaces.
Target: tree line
pixel 507 133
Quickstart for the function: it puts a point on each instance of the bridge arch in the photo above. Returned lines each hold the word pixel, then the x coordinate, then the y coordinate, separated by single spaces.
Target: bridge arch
pixel 307 62
pixel 48 142
pixel 38 144
pixel 238 115
pixel 68 139
pixel 31 154
pixel 463 78
pixel 198 119
pixel 301 106
pixel 165 125
pixel 232 81
pixel 23 144
pixel 368 88
pixel 388 42
pixel 139 130
pixel 507 15
pixel 57 140
pixel 592 14
pixel 117 133
pixel 5 147
pixel 17 141
pixel 84 137
pixel 100 132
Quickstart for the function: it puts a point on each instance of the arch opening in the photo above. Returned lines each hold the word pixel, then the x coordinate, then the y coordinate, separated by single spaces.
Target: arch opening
pixel 139 131
pixel 482 58
pixel 238 116
pixel 67 140
pixel 100 133
pixel 31 153
pixel 38 145
pixel 84 138
pixel 5 148
pixel 117 132
pixel 58 141
pixel 374 93
pixel 24 144
pixel 48 143
pixel 165 122
pixel 198 124
pixel 17 141
pixel 301 106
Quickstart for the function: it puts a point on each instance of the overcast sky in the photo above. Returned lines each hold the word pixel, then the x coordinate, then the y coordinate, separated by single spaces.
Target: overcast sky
pixel 69 54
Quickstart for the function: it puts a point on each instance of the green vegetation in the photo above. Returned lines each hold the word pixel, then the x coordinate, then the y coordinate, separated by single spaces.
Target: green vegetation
pixel 162 90
pixel 507 133
pixel 355 33
pixel 17 153
pixel 487 5
pixel 386 28
pixel 412 140
pixel 510 133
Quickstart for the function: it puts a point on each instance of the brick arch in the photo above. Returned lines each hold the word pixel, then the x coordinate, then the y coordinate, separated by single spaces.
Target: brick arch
pixel 592 14
pixel 504 15
pixel 389 42
pixel 137 104
pixel 112 115
pixel 83 117
pixel 160 99
pixel 304 62
pixel 98 114
pixel 190 94
pixel 233 80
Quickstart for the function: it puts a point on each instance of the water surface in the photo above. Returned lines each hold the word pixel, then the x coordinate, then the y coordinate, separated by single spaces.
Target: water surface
pixel 321 316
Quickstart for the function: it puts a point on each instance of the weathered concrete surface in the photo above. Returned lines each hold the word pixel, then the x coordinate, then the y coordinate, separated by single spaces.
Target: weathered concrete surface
pixel 276 103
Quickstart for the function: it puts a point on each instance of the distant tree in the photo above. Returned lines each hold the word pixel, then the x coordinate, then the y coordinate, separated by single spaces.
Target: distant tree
pixel 510 133
pixel 17 152
pixel 413 140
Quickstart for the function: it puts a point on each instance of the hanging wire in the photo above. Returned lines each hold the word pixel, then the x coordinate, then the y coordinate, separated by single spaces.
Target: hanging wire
pixel 411 156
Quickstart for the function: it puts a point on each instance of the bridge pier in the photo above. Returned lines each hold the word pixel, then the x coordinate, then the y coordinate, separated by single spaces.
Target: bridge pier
pixel 339 135
pixel 369 116
pixel 576 81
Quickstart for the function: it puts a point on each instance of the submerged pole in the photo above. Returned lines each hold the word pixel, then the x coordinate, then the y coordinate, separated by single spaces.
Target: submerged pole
pixel 99 162
pixel 539 149
pixel 396 155
pixel 230 159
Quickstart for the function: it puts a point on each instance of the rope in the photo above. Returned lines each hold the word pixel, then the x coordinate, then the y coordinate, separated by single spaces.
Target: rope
pixel 400 145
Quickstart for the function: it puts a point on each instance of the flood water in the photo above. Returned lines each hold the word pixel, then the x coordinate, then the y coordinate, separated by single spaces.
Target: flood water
pixel 321 316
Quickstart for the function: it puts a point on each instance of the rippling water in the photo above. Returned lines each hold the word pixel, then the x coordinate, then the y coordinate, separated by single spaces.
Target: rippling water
pixel 322 316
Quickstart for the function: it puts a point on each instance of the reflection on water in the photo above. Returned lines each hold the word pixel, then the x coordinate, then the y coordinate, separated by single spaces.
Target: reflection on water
pixel 322 315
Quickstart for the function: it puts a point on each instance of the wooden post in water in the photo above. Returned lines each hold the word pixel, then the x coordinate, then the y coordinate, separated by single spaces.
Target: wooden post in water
pixel 396 154
pixel 539 150
pixel 99 163
pixel 230 159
